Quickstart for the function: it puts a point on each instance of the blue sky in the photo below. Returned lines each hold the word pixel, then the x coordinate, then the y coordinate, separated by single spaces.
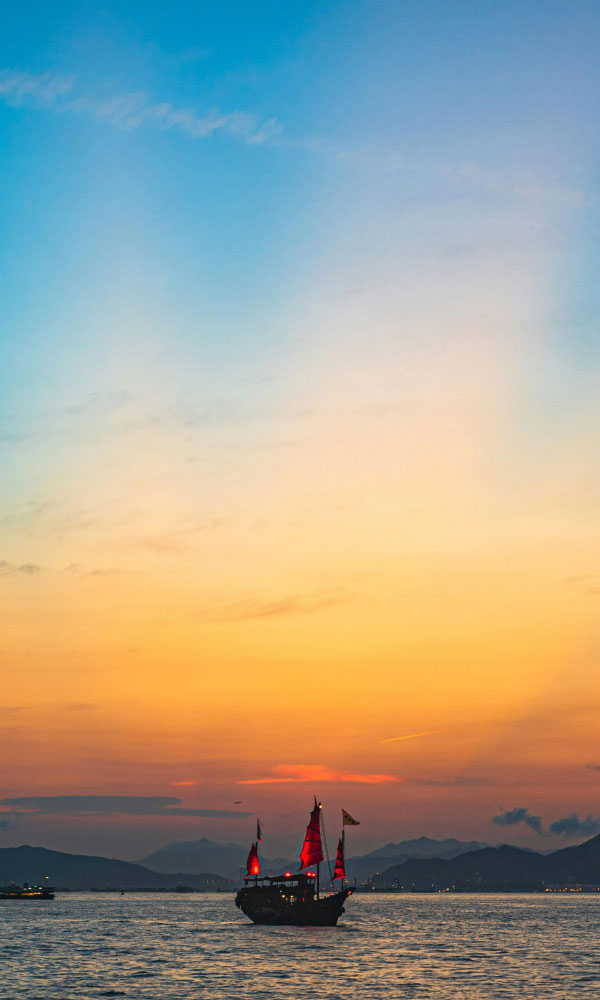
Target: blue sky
pixel 347 129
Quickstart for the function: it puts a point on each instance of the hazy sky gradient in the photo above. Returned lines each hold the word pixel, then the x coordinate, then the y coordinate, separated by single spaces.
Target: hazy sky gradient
pixel 299 416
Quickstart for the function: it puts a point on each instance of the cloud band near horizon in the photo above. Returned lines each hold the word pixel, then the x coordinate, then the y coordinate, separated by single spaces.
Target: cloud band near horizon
pixel 108 805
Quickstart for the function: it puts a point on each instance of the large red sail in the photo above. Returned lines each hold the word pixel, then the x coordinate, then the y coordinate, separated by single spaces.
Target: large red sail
pixel 340 871
pixel 253 864
pixel 312 851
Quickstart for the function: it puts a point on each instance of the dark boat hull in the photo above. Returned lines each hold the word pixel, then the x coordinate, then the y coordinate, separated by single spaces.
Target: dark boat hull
pixel 22 894
pixel 268 905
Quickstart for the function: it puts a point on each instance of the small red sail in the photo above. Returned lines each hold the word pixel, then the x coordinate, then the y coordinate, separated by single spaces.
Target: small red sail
pixel 253 864
pixel 312 851
pixel 340 871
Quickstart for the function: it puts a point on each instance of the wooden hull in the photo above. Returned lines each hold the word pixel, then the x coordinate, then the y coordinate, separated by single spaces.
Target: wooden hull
pixel 269 905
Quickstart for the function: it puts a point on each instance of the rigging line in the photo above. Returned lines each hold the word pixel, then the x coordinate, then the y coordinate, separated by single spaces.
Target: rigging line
pixel 294 849
pixel 322 817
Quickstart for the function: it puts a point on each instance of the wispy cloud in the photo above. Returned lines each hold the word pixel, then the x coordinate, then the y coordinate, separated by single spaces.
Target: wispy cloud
pixel 287 773
pixel 497 182
pixel 588 583
pixel 518 815
pixel 294 604
pixel 130 110
pixel 19 87
pixel 456 782
pixel 108 805
pixel 572 826
pixel 522 184
pixel 24 569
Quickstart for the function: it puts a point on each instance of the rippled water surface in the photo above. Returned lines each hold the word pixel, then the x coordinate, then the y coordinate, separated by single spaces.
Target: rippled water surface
pixel 169 947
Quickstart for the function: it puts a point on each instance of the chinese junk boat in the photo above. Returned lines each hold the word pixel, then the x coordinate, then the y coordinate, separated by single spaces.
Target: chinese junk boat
pixel 296 899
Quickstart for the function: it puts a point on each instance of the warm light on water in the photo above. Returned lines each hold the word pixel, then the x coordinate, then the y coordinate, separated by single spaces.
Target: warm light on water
pixel 154 947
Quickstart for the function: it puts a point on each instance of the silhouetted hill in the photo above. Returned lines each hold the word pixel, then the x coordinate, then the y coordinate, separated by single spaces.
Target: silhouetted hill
pixel 81 871
pixel 198 856
pixel 208 855
pixel 227 859
pixel 426 847
pixel 577 864
pixel 502 868
pixel 391 855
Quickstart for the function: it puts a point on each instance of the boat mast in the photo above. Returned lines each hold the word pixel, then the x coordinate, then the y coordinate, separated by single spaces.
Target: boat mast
pixel 318 862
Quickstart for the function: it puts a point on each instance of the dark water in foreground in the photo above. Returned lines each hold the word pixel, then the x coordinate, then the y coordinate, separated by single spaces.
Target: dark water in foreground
pixel 199 946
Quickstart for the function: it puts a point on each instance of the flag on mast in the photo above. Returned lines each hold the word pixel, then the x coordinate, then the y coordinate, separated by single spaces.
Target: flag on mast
pixel 258 832
pixel 347 819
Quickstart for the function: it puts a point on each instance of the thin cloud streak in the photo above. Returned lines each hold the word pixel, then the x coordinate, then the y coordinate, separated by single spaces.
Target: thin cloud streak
pixel 108 805
pixel 414 736
pixel 130 110
pixel 294 604
pixel 25 569
pixel 291 773
pixel 18 86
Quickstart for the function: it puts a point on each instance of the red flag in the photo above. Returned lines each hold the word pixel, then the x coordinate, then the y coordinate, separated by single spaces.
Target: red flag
pixel 312 851
pixel 253 864
pixel 340 871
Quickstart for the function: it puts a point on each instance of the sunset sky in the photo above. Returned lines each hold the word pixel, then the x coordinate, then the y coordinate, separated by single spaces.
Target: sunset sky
pixel 299 421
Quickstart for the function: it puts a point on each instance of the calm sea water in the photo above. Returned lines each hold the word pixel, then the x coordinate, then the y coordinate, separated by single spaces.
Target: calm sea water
pixel 199 946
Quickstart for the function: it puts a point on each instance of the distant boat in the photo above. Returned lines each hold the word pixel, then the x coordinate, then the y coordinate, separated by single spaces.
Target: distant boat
pixel 26 891
pixel 296 899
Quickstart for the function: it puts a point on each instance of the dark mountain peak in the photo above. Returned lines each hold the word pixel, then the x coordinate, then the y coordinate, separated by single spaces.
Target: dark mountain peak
pixel 589 848
pixel 426 847
pixel 502 868
pixel 82 871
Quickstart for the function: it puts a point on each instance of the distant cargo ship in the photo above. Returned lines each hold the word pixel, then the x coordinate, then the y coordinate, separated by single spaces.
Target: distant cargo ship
pixel 26 891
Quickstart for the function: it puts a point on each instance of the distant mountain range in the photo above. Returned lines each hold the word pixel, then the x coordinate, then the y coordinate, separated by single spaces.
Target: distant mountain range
pixel 209 856
pixel 368 865
pixel 426 865
pixel 501 868
pixel 227 859
pixel 81 871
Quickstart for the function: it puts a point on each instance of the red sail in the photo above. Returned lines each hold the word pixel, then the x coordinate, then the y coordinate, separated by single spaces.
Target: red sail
pixel 312 851
pixel 252 864
pixel 340 871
